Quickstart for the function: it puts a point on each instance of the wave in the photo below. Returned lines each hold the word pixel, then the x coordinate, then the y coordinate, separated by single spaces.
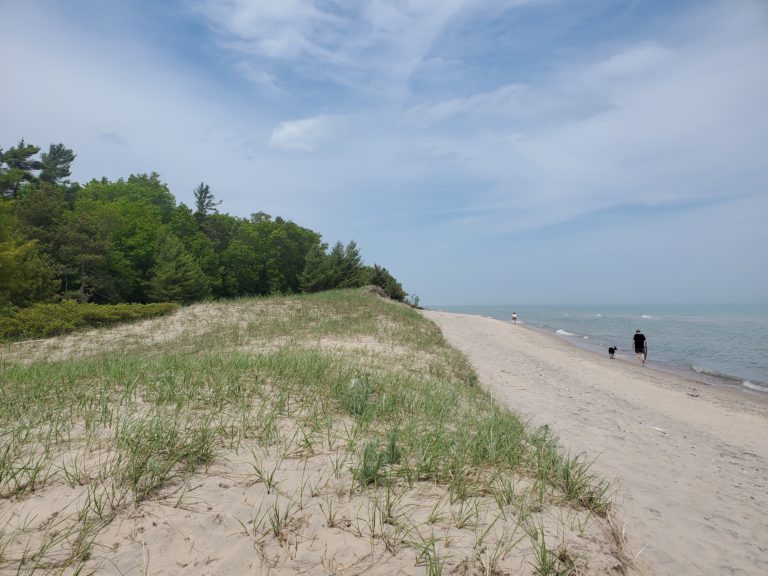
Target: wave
pixel 646 316
pixel 716 374
pixel 704 371
pixel 756 387
pixel 564 333
pixel 710 372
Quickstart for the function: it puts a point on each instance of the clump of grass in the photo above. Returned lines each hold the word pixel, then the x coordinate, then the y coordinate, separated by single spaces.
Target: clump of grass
pixel 368 468
pixel 356 397
pixel 547 560
pixel 427 555
pixel 153 450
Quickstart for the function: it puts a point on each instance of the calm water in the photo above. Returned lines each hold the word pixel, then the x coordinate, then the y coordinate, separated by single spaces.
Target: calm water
pixel 724 344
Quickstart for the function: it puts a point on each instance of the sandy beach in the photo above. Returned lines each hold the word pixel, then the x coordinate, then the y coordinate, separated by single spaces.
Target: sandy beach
pixel 690 460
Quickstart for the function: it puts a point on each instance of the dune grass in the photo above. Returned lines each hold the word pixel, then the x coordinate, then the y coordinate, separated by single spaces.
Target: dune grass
pixel 367 385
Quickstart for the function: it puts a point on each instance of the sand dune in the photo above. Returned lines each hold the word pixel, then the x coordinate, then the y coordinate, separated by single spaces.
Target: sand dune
pixel 690 460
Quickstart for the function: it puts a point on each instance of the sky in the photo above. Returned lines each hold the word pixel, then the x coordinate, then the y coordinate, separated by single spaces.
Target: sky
pixel 483 151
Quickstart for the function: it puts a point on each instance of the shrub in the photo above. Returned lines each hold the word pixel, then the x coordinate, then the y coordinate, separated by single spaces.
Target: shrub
pixel 44 320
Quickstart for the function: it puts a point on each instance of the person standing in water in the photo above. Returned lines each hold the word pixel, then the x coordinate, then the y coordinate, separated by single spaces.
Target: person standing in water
pixel 641 348
pixel 514 317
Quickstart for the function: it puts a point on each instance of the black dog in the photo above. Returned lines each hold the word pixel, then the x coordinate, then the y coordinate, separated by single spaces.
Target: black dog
pixel 612 351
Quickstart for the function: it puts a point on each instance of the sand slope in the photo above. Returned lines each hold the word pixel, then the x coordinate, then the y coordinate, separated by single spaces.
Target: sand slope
pixel 691 461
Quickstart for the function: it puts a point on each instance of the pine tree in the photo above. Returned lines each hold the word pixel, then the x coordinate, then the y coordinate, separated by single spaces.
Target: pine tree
pixel 176 276
pixel 16 167
pixel 351 267
pixel 315 276
pixel 204 202
pixel 380 276
pixel 55 163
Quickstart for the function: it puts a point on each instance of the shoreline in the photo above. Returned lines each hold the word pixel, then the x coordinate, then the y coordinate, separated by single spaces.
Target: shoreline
pixel 707 378
pixel 719 381
pixel 737 391
pixel 720 349
pixel 689 458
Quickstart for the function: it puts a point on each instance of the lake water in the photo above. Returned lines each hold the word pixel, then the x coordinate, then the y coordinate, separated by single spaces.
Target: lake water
pixel 723 344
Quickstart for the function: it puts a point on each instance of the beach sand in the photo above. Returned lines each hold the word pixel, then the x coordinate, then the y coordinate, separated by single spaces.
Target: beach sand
pixel 690 460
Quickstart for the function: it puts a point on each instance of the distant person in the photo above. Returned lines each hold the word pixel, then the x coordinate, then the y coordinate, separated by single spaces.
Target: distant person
pixel 641 348
pixel 514 317
pixel 612 351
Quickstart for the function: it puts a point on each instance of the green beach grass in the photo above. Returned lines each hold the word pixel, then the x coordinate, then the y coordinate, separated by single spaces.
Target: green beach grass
pixel 336 417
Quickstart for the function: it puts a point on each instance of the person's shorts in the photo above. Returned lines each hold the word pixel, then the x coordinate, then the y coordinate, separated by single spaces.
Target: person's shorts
pixel 639 350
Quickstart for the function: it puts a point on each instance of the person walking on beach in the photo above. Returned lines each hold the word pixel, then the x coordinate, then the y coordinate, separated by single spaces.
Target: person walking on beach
pixel 641 348
pixel 514 317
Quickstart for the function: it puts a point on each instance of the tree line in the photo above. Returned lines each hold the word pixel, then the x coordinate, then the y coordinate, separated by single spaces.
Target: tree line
pixel 128 241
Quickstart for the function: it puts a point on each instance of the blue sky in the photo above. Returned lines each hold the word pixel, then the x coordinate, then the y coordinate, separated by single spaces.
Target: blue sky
pixel 505 151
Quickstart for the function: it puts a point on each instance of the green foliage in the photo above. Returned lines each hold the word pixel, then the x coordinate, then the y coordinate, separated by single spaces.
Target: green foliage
pixel 316 274
pixel 25 274
pixel 137 189
pixel 242 267
pixel 220 228
pixel 43 320
pixel 128 241
pixel 56 163
pixel 40 213
pixel 16 167
pixel 266 257
pixel 204 202
pixel 380 276
pixel 176 276
pixel 198 245
pixel 341 268
pixel 90 265
pixel 347 266
pixel 124 219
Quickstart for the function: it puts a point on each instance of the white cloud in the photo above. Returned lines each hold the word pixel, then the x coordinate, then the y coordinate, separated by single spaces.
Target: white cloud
pixel 304 134
pixel 657 122
pixel 259 77
pixel 352 44
pixel 505 101
pixel 644 58
pixel 276 29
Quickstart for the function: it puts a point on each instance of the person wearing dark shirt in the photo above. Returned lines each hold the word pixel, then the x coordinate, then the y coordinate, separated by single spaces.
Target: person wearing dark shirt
pixel 640 346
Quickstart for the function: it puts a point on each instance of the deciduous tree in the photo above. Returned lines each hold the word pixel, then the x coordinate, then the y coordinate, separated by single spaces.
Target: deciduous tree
pixel 25 274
